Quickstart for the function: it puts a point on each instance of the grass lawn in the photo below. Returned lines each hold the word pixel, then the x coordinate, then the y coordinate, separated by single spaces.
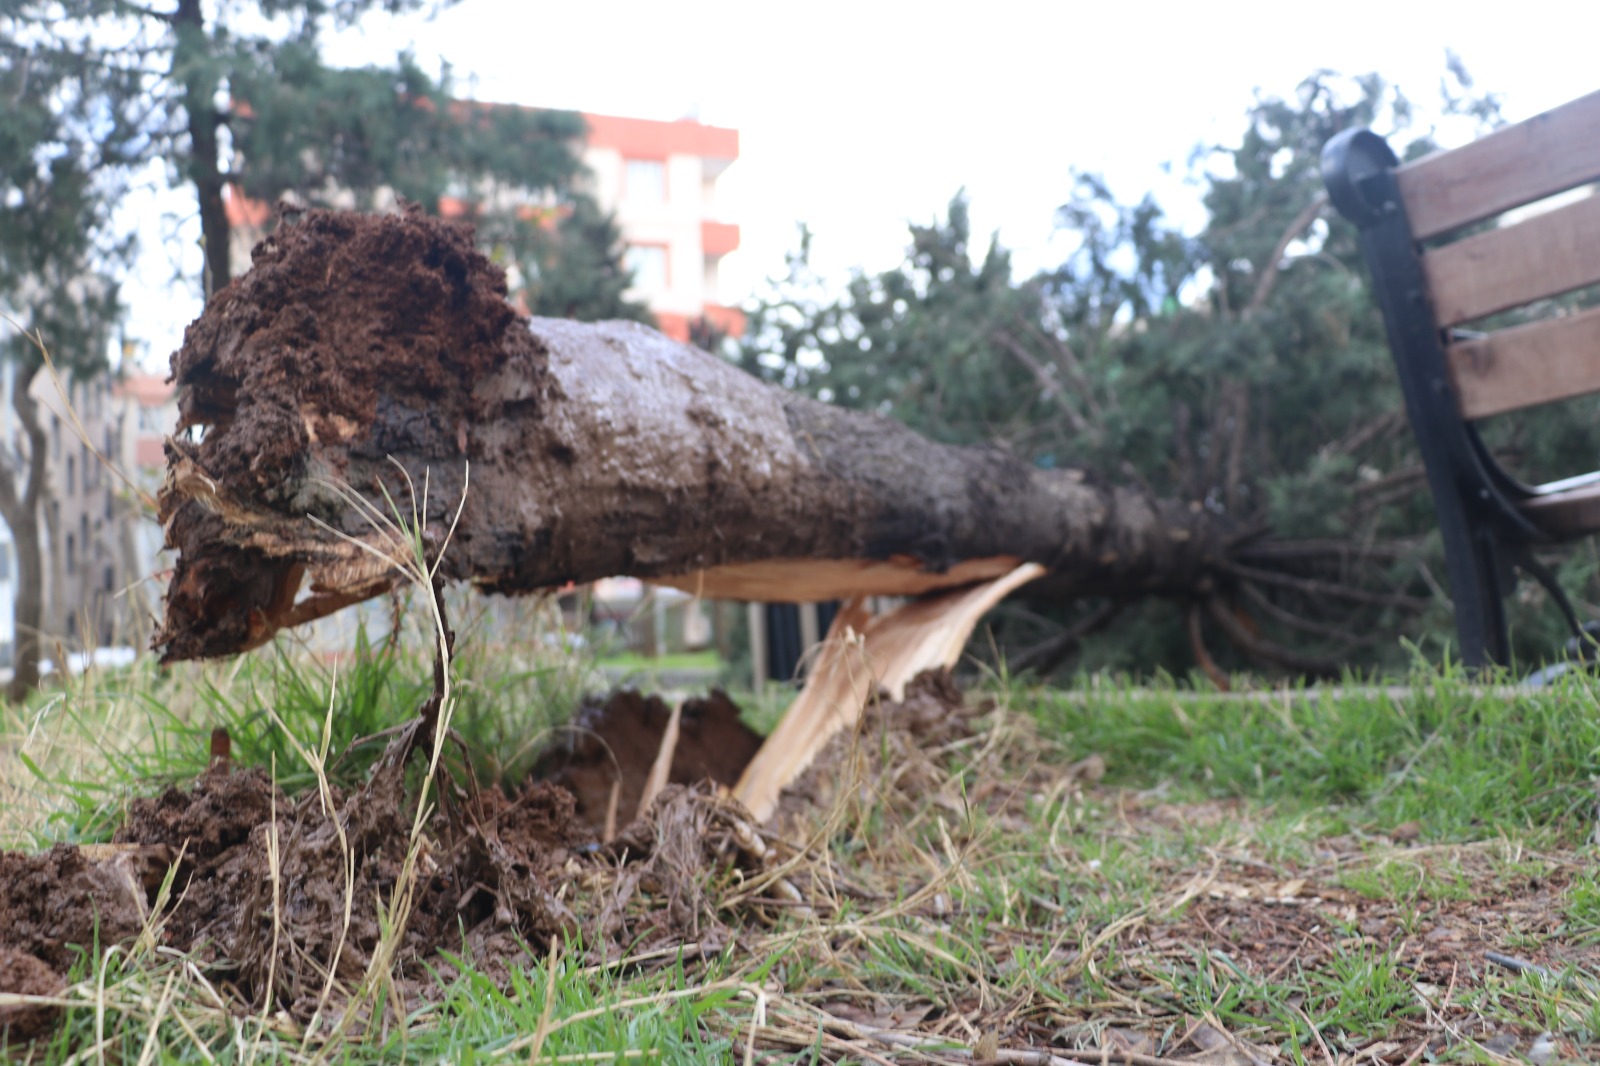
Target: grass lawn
pixel 646 664
pixel 1081 875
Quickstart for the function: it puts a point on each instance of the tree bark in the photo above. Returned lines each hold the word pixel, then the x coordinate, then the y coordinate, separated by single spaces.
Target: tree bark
pixel 197 75
pixel 365 362
pixel 20 504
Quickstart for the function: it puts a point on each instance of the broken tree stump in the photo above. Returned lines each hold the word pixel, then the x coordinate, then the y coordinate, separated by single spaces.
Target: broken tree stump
pixel 365 361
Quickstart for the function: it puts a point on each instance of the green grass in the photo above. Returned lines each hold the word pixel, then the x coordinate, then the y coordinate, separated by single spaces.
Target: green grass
pixel 1317 872
pixel 1460 761
pixel 685 660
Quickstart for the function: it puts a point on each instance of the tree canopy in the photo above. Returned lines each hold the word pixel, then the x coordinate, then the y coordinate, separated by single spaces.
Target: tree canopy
pixel 98 96
pixel 1242 367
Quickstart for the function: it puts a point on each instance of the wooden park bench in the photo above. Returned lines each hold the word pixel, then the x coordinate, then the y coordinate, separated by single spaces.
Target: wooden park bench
pixel 1431 280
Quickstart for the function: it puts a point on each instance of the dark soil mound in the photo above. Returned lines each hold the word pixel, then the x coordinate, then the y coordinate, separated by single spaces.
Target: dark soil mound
pixel 264 881
pixel 22 974
pixel 614 743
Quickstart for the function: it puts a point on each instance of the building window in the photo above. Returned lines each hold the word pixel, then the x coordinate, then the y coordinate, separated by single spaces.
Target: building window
pixel 645 182
pixel 111 579
pixel 55 435
pixel 110 503
pixel 649 265
pixel 83 534
pixel 72 554
pixel 5 562
pixel 72 475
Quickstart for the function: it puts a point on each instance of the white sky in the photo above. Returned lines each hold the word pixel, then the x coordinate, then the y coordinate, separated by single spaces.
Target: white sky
pixel 857 117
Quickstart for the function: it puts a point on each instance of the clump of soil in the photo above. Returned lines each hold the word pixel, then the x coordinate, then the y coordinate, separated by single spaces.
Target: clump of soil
pixel 59 903
pixel 612 743
pixel 263 879
pixel 24 975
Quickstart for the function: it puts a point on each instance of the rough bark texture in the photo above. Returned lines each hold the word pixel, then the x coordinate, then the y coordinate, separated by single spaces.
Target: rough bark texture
pixel 199 79
pixel 20 506
pixel 595 450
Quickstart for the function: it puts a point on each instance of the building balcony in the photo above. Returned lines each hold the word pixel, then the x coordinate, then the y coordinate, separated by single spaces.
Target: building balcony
pixel 726 320
pixel 718 238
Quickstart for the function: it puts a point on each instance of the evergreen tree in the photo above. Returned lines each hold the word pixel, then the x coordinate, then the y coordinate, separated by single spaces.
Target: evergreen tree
pixel 569 263
pixel 1243 367
pixel 99 93
pixel 61 167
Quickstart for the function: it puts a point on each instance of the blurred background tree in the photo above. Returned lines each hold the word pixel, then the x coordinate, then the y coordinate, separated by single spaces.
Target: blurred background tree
pixel 100 96
pixel 61 169
pixel 1242 367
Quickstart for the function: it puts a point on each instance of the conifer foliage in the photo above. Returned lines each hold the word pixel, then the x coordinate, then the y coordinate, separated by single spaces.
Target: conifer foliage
pixel 97 96
pixel 1242 367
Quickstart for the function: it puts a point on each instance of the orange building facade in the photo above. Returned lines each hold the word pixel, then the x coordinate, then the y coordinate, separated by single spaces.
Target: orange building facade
pixel 660 180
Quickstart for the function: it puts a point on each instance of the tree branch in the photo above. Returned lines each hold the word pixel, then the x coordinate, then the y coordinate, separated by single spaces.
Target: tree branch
pixel 1269 274
pixel 1043 658
pixel 1050 388
pixel 1385 424
pixel 1260 648
pixel 1067 360
pixel 127 6
pixel 1202 657
pixel 1294 621
pixel 1312 587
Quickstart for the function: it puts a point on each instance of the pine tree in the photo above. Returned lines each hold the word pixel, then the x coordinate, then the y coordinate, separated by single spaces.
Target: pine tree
pixel 59 173
pixel 1242 367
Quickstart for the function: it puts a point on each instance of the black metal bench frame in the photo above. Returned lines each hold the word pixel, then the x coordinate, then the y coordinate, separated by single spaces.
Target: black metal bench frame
pixel 1483 512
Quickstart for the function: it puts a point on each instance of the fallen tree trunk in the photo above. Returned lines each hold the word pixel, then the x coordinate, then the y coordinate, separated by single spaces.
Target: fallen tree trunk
pixel 365 362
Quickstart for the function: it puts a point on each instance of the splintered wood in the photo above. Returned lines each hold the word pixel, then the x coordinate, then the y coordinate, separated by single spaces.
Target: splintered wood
pixel 860 654
pixel 661 769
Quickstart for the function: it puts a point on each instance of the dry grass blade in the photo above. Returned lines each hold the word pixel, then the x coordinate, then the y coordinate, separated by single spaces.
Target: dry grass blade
pixel 661 768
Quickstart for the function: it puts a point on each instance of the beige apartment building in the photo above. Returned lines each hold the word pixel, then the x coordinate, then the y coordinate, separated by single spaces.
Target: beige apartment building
pixel 100 541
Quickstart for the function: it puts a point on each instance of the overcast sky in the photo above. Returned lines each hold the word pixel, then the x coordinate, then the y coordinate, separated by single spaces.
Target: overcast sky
pixel 857 117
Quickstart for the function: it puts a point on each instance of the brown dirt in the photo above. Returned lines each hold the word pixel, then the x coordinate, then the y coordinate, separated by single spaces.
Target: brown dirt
pixel 501 874
pixel 618 738
pixel 22 974
pixel 56 904
pixel 897 757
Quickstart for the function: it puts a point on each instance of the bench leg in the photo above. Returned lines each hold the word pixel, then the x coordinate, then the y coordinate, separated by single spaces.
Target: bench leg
pixel 1480 576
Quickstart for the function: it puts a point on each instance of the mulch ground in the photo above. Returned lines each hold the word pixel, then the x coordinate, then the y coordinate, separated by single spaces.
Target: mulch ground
pixel 262 884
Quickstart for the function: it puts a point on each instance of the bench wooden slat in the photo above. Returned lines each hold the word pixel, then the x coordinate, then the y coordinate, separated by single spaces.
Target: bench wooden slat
pixel 1527 365
pixel 1544 155
pixel 1545 255
pixel 1574 513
